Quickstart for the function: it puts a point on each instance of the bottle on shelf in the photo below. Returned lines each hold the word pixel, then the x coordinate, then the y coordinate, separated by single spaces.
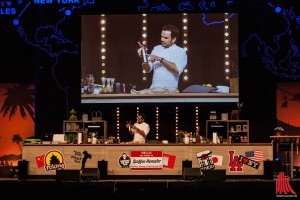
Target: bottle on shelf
pixel 89 138
pixel 242 138
pixel 221 139
pixel 236 138
pixel 198 140
pixel 229 139
pixel 213 115
pixel 82 86
pixel 85 136
pixel 194 137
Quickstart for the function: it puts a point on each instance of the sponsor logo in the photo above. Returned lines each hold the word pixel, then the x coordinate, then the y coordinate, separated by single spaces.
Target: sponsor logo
pixel 234 164
pixel 54 160
pixel 283 187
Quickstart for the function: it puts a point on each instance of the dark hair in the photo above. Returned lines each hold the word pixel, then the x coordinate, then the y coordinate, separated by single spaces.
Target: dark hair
pixel 174 30
pixel 142 115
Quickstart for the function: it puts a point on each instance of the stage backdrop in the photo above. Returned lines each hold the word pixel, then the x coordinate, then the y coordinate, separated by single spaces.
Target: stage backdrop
pixel 287 108
pixel 17 104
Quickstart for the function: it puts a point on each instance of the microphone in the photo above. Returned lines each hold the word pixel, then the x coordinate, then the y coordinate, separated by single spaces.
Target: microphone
pixel 144 52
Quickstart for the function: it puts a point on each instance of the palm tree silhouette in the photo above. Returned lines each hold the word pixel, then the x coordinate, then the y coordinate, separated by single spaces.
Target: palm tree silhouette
pixel 19 95
pixel 17 139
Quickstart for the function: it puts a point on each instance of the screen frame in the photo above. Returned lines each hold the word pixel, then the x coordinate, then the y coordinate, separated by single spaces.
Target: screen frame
pixel 129 97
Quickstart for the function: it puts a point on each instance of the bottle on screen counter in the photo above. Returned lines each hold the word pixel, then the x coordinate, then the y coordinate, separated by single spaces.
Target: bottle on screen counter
pixel 191 137
pixel 143 52
pixel 144 55
pixel 82 86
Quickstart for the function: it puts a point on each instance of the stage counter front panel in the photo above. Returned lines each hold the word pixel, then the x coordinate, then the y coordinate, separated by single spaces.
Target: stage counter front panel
pixel 148 159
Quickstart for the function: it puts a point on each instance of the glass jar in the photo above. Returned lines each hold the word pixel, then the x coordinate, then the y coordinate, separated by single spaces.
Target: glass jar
pixel 213 115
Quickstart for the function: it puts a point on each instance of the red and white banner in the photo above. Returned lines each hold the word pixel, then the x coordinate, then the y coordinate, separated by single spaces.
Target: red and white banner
pixel 146 160
pixel 169 161
pixel 40 161
pixel 218 160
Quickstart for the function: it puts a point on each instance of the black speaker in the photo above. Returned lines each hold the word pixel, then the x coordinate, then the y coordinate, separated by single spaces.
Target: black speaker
pixel 190 173
pixel 67 175
pixel 5 171
pixel 102 166
pixel 186 163
pixel 297 172
pixel 22 169
pixel 90 174
pixel 277 166
pixel 214 175
pixel 268 169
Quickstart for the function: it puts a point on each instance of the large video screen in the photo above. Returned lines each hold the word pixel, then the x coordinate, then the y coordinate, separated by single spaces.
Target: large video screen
pixel 113 72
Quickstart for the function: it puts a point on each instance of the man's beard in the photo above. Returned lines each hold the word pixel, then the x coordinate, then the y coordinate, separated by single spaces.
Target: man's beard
pixel 165 45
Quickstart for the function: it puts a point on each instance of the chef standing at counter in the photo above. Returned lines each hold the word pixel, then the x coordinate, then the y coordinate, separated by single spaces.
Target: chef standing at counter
pixel 139 130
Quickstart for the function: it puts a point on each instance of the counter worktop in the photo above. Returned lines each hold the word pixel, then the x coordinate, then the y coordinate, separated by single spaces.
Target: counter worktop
pixel 156 144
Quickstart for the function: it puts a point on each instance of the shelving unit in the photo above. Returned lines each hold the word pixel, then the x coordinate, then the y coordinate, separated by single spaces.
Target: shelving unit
pixel 76 126
pixel 227 129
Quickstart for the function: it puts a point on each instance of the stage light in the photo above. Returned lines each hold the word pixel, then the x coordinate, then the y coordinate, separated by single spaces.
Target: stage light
pixel 176 121
pixel 226 46
pixel 144 41
pixel 185 41
pixel 103 44
pixel 157 124
pixel 118 122
pixel 196 117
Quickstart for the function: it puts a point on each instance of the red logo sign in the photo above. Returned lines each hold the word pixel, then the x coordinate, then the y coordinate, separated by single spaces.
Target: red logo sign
pixel 283 187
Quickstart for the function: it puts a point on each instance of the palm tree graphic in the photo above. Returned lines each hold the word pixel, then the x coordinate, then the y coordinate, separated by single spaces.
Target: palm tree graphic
pixel 19 95
pixel 17 139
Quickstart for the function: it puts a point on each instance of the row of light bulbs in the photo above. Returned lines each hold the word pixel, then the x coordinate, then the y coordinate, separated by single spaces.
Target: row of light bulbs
pixel 157 120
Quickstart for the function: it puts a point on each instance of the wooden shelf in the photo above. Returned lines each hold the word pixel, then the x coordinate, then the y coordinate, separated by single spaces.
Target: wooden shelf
pixel 223 128
pixel 76 126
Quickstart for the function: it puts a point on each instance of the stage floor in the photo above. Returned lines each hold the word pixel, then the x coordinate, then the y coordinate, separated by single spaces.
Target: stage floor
pixel 150 189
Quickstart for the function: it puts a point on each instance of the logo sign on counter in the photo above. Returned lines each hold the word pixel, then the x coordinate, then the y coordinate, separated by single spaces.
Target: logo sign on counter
pixel 54 160
pixel 205 160
pixel 146 160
